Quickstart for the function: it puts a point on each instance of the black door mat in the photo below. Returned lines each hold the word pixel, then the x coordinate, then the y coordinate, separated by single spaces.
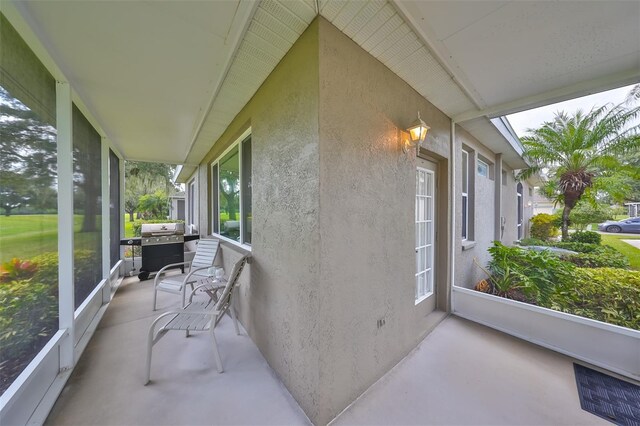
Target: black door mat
pixel 608 397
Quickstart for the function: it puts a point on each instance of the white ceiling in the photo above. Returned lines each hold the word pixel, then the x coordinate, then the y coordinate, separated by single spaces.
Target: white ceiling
pixel 508 53
pixel 164 79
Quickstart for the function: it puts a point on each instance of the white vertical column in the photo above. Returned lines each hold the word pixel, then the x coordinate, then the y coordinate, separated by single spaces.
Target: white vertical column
pixel 66 301
pixel 497 216
pixel 453 196
pixel 106 223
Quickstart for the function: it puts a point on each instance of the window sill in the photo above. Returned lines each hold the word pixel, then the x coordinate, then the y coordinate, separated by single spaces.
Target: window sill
pixel 245 247
pixel 468 245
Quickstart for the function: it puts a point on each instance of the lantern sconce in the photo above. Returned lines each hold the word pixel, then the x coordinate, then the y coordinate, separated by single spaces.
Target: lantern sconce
pixel 415 135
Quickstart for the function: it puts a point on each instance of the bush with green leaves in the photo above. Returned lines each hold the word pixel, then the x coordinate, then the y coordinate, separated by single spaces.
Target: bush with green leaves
pixel 532 242
pixel 601 257
pixel 28 319
pixel 585 213
pixel 533 273
pixel 577 247
pixel 605 294
pixel 589 237
pixel 544 226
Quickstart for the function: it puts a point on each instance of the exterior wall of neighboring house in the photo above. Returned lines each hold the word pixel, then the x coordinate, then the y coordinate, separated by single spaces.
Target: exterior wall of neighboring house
pixel 542 204
pixel 333 249
pixel 177 207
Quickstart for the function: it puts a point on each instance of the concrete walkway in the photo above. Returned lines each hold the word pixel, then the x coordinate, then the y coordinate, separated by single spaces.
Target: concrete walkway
pixel 461 374
pixel 635 243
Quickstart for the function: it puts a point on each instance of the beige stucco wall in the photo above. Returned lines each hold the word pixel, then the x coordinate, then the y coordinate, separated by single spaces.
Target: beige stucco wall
pixel 333 247
pixel 279 303
pixel 481 211
pixel 367 201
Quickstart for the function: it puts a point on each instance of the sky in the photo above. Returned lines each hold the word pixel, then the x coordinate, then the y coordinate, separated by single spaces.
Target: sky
pixel 535 117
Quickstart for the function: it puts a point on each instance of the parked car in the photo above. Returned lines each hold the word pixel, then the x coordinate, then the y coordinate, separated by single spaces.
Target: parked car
pixel 627 225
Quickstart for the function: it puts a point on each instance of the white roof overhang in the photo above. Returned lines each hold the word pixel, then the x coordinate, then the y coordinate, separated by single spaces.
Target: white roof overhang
pixel 165 79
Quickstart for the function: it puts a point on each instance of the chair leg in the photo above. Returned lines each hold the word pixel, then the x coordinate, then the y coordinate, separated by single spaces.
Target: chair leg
pixel 155 295
pixel 147 370
pixel 216 353
pixel 232 311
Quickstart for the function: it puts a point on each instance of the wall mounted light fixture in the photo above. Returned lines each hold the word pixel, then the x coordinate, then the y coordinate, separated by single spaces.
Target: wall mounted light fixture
pixel 417 133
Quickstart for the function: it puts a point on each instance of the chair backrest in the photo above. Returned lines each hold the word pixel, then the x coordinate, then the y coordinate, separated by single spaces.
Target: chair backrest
pixel 234 277
pixel 206 252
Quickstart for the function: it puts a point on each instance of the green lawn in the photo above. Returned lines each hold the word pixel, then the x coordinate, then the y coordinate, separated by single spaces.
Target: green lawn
pixel 25 236
pixel 628 250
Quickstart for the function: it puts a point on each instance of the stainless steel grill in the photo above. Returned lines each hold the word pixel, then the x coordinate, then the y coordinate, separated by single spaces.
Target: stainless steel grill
pixel 162 244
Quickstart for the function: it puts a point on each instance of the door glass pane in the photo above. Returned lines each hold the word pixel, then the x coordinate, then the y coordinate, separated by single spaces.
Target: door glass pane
pixel 425 187
pixel 229 195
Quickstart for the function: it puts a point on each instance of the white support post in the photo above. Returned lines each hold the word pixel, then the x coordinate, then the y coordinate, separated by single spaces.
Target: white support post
pixel 453 196
pixel 122 212
pixel 498 198
pixel 66 300
pixel 106 223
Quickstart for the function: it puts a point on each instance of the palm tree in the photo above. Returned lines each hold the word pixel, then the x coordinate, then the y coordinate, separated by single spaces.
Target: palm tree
pixel 579 149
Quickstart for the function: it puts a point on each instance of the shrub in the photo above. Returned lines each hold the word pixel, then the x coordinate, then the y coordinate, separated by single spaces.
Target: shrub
pixel 589 237
pixel 532 242
pixel 28 315
pixel 16 269
pixel 579 247
pixel 604 294
pixel 533 273
pixel 543 226
pixel 601 257
pixel 586 213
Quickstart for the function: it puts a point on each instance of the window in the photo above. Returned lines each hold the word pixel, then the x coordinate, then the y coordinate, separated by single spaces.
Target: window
pixel 483 168
pixel 465 194
pixel 87 207
pixel 504 178
pixel 520 212
pixel 231 193
pixel 191 199
pixel 28 206
pixel 114 207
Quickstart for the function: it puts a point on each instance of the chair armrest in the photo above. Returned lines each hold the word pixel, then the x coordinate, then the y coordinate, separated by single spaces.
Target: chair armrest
pixel 171 265
pixel 191 272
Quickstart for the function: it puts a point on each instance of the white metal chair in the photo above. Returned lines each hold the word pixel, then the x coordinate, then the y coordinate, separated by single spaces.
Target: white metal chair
pixel 199 315
pixel 206 252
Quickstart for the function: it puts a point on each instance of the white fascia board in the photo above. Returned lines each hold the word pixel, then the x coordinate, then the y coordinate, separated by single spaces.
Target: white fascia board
pixel 504 127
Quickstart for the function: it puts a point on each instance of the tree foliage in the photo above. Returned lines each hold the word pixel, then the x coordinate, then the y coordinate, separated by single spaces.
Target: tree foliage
pixel 28 164
pixel 585 154
pixel 147 187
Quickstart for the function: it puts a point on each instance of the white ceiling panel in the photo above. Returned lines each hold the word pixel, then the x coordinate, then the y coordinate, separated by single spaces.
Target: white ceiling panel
pixel 508 52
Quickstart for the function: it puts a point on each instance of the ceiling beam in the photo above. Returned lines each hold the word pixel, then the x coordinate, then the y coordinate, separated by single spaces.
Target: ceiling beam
pixel 573 91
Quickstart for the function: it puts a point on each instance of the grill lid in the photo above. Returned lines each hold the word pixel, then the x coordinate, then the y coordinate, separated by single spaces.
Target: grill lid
pixel 155 229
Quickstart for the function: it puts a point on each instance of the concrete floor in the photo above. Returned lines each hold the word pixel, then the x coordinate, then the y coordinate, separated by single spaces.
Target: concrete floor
pixel 106 387
pixel 461 374
pixel 464 373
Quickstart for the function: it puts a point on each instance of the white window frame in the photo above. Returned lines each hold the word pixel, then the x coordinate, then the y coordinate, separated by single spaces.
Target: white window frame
pixel 485 166
pixel 430 222
pixel 465 196
pixel 215 201
pixel 192 207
